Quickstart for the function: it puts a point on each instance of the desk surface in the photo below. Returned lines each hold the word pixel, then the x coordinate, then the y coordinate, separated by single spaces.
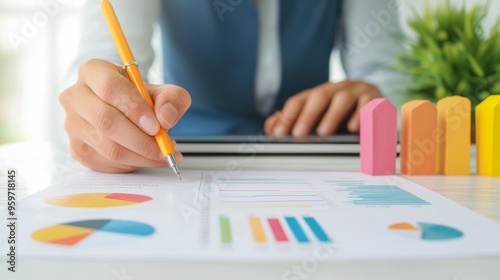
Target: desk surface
pixel 42 165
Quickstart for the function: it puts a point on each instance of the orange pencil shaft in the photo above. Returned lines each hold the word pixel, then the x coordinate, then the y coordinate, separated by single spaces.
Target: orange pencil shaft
pixel 132 69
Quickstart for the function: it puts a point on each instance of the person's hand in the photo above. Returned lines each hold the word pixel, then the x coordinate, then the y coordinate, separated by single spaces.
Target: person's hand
pixel 110 126
pixel 323 107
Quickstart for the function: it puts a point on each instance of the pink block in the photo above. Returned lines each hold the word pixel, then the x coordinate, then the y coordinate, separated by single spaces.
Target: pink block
pixel 378 137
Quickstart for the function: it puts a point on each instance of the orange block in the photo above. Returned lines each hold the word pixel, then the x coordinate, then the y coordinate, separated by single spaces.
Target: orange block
pixel 453 136
pixel 418 138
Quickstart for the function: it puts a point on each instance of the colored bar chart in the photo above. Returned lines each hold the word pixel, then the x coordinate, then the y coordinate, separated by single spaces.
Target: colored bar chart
pixel 282 230
pixel 380 195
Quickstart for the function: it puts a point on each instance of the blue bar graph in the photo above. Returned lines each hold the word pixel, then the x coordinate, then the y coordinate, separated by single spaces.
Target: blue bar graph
pixel 297 230
pixel 316 229
pixel 379 195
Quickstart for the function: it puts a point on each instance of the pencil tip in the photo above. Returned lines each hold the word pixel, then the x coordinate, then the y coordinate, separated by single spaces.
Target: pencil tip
pixel 179 175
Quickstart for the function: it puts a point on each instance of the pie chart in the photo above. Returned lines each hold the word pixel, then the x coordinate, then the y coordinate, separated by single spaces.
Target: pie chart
pixel 98 200
pixel 426 231
pixel 74 233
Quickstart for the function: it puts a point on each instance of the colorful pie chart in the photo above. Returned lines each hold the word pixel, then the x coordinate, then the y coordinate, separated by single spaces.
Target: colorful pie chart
pixel 74 233
pixel 98 200
pixel 426 231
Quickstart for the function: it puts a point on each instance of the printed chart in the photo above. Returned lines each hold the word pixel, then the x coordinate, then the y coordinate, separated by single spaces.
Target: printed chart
pixel 98 200
pixel 284 230
pixel 361 193
pixel 249 216
pixel 294 193
pixel 426 231
pixel 71 234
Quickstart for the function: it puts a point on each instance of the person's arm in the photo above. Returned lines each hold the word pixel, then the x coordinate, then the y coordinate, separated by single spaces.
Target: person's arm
pixel 370 40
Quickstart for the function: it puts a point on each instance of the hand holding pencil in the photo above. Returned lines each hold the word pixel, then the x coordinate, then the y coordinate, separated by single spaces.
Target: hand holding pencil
pixel 110 124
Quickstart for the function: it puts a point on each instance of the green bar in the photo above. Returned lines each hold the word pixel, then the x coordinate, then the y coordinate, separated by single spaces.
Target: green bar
pixel 225 230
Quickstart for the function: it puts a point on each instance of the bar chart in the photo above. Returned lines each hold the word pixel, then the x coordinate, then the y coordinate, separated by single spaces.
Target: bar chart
pixel 274 230
pixel 359 193
pixel 249 193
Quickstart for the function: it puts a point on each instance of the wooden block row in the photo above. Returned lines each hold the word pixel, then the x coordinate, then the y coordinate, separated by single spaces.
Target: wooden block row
pixel 433 140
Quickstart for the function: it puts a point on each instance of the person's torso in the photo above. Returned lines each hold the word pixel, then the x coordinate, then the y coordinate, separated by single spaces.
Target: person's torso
pixel 211 49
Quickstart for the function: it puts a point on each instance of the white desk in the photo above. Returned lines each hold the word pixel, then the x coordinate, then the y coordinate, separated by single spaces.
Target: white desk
pixel 41 165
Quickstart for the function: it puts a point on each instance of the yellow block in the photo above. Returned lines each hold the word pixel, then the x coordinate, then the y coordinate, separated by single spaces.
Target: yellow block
pixel 453 136
pixel 488 136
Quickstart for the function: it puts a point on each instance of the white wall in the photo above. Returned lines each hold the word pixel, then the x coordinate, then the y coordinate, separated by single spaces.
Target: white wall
pixel 337 73
pixel 41 36
pixel 493 13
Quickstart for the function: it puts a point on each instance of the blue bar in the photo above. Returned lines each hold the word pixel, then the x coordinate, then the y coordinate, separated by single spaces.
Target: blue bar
pixel 297 230
pixel 316 229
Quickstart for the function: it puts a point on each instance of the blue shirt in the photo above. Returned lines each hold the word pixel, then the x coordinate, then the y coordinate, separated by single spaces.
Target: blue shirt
pixel 215 60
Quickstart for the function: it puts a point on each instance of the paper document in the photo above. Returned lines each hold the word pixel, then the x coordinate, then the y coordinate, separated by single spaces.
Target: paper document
pixel 247 217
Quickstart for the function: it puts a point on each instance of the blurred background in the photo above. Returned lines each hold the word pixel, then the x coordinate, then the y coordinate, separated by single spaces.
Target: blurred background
pixel 38 39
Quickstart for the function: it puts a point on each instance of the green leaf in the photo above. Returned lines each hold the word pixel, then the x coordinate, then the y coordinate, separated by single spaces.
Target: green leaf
pixel 475 66
pixel 449 53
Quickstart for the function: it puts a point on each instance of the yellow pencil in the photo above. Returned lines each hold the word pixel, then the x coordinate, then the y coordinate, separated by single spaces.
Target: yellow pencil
pixel 132 68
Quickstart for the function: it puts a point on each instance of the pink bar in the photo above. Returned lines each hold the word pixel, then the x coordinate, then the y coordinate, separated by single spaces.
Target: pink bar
pixel 278 232
pixel 378 137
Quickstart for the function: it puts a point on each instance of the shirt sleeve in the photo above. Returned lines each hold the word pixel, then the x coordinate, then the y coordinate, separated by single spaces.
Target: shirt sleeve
pixel 95 41
pixel 370 39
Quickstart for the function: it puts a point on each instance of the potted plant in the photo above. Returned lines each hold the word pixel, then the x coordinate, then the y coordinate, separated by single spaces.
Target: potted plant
pixel 450 53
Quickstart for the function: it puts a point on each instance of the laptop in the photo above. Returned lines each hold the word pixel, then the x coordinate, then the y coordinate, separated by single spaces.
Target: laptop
pixel 347 144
